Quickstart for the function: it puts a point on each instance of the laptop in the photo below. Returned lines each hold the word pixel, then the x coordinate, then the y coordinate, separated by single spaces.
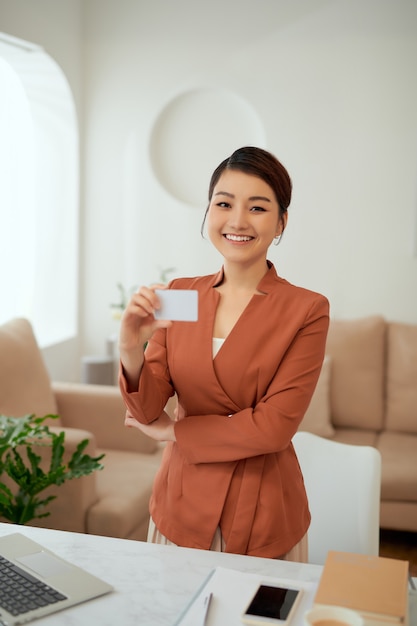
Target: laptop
pixel 35 582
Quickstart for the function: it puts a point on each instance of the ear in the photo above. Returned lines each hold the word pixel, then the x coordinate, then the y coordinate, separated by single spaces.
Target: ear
pixel 282 224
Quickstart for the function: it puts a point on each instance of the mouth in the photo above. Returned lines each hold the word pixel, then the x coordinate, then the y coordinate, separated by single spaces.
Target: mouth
pixel 237 238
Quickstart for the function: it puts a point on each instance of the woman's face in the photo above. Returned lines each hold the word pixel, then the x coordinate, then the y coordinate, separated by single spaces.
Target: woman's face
pixel 243 217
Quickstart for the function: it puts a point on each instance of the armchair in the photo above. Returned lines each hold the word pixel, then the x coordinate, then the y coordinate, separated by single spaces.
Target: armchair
pixel 113 501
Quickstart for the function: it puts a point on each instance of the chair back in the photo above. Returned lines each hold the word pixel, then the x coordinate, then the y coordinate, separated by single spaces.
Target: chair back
pixel 343 484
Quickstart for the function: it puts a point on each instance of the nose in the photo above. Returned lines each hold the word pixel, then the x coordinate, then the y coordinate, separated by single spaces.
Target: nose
pixel 238 218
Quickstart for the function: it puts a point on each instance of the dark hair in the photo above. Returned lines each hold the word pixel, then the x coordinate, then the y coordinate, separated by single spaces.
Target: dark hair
pixel 260 163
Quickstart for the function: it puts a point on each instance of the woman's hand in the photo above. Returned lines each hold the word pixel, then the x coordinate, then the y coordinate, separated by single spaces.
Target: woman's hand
pixel 161 429
pixel 137 326
pixel 138 320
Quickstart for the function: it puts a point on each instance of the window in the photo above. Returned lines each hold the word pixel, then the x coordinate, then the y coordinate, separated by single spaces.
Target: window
pixel 39 192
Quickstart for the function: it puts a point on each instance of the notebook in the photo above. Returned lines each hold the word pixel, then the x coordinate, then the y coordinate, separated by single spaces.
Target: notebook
pixel 375 586
pixel 35 582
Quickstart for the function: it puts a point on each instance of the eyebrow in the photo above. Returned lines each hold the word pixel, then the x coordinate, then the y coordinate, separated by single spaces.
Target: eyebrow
pixel 252 198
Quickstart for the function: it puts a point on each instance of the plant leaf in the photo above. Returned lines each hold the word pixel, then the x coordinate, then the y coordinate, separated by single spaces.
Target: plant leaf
pixel 23 466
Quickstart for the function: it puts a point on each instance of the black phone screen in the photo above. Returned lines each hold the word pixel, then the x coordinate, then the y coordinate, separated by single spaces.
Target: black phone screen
pixel 275 602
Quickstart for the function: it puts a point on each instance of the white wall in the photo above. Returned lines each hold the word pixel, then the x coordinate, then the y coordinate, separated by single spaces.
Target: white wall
pixel 332 85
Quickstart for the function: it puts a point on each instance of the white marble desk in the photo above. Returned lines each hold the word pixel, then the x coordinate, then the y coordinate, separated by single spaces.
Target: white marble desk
pixel 152 583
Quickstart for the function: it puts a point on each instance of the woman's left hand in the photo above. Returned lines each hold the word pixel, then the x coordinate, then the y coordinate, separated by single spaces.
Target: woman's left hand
pixel 161 429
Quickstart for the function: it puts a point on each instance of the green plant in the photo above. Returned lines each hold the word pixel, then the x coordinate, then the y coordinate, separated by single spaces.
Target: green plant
pixel 164 272
pixel 125 294
pixel 23 466
pixel 124 297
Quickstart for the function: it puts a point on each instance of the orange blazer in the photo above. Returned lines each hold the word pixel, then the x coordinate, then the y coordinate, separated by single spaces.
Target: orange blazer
pixel 233 463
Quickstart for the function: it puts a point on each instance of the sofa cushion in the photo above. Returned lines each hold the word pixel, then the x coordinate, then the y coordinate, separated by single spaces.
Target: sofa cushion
pixel 317 417
pixel 357 348
pixel 25 385
pixel 398 515
pixel 399 476
pixel 101 406
pixel 356 436
pixel 402 378
pixel 124 489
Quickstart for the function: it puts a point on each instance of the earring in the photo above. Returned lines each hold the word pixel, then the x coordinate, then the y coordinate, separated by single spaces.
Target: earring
pixel 277 239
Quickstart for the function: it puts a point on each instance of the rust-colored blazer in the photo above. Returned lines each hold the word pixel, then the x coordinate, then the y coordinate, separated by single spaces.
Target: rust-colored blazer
pixel 233 463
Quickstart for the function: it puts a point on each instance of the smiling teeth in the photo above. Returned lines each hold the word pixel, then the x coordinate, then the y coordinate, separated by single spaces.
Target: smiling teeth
pixel 238 238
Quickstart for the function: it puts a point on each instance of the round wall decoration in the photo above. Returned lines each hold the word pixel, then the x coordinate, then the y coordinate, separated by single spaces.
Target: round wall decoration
pixel 193 133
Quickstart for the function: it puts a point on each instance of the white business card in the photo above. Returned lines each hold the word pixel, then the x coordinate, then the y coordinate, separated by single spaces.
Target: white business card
pixel 177 305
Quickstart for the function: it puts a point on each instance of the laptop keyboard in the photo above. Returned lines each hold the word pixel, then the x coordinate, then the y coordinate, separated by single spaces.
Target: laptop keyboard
pixel 20 592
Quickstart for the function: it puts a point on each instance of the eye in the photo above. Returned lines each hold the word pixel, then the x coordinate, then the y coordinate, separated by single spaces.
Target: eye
pixel 223 205
pixel 257 209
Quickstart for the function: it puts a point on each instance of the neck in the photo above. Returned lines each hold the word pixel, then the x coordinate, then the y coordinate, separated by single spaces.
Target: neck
pixel 244 278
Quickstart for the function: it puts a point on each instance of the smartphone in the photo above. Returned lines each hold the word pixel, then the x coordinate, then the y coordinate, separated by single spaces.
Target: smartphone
pixel 271 605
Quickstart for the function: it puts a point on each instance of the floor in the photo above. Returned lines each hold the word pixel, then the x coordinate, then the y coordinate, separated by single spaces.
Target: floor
pixel 399 545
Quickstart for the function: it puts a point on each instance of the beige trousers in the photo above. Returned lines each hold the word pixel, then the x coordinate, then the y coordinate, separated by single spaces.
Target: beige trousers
pixel 299 553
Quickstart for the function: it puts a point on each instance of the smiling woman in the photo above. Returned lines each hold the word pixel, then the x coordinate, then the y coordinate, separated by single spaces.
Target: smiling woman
pixel 39 192
pixel 243 373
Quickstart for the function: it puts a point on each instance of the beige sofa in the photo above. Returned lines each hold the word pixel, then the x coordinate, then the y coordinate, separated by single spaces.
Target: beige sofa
pixel 113 501
pixel 367 395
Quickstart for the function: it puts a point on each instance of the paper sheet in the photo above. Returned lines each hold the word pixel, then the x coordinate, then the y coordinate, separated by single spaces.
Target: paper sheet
pixel 232 591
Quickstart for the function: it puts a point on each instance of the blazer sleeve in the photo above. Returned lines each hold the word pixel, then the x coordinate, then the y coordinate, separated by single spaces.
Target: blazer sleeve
pixel 271 424
pixel 147 403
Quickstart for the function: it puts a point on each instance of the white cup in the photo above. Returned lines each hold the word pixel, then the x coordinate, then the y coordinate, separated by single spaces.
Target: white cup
pixel 332 616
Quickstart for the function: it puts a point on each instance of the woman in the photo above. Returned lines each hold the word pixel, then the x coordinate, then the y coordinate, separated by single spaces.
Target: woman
pixel 244 375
